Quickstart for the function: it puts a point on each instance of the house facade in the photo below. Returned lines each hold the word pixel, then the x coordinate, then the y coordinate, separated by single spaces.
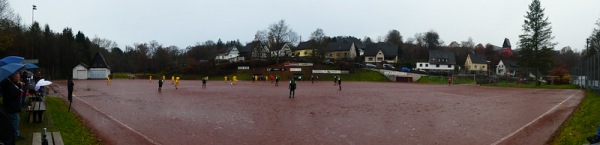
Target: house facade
pixel 232 54
pixel 304 49
pixel 255 50
pixel 476 63
pixel 381 52
pixel 506 68
pixel 283 51
pixel 80 72
pixel 98 69
pixel 438 61
pixel 341 50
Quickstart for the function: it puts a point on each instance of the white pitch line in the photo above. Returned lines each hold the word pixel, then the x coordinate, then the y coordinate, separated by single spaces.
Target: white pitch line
pixel 535 120
pixel 121 123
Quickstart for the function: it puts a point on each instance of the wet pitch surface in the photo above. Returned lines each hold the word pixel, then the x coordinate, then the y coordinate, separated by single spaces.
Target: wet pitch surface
pixel 133 112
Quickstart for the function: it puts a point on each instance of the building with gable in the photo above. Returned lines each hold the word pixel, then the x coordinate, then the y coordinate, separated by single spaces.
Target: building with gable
pixel 381 53
pixel 98 69
pixel 476 63
pixel 438 61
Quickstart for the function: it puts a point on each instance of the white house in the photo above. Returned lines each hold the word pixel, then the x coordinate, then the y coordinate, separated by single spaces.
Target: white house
pixel 283 51
pixel 232 55
pixel 255 50
pixel 80 72
pixel 506 67
pixel 438 61
pixel 98 69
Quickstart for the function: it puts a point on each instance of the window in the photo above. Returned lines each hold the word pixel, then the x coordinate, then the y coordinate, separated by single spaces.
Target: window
pixel 437 65
pixel 426 65
pixel 475 67
pixel 345 54
pixel 370 59
pixel 337 54
pixel 449 66
pixel 420 65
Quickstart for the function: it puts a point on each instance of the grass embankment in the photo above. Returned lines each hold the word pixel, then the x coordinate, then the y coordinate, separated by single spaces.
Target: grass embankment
pixel 470 80
pixel 358 75
pixel 57 119
pixel 532 85
pixel 582 123
pixel 444 80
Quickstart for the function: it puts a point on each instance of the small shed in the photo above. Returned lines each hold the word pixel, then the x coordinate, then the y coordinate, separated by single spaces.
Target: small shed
pixel 98 69
pixel 80 72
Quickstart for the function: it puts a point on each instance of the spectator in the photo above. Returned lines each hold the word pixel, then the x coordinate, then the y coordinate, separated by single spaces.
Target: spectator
pixel 7 135
pixel 70 85
pixel 12 93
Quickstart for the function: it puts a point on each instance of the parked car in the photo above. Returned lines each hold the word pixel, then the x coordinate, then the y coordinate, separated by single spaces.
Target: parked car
pixel 358 65
pixel 388 66
pixel 405 69
pixel 370 65
pixel 329 62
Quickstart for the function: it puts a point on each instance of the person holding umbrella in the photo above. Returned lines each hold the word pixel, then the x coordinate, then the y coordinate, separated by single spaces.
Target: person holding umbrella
pixel 12 92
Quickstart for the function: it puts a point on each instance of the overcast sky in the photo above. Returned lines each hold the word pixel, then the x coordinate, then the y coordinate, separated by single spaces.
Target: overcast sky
pixel 186 22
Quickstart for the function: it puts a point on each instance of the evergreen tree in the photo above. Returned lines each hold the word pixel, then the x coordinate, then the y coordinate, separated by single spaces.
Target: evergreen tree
pixel 535 44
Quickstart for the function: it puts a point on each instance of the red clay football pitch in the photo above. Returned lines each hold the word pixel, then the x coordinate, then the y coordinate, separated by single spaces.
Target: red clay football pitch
pixel 134 112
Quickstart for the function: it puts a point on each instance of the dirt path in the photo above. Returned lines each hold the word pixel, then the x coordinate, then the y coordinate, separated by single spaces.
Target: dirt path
pixel 133 112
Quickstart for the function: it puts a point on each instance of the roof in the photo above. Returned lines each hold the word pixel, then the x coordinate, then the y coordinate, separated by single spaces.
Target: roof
pixel 83 64
pixel 304 45
pixel 478 59
pixel 278 46
pixel 506 43
pixel 250 46
pixel 389 50
pixel 510 64
pixel 441 57
pixel 340 46
pixel 99 61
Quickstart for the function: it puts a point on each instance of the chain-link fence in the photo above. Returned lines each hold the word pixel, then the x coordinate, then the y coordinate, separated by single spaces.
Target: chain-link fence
pixel 587 74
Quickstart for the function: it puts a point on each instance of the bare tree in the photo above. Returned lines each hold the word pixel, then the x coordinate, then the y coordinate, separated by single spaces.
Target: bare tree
pixel 104 43
pixel 261 35
pixel 319 43
pixel 5 10
pixel 468 44
pixel 280 34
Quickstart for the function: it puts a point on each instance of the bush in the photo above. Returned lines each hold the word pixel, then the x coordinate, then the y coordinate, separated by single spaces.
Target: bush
pixel 563 76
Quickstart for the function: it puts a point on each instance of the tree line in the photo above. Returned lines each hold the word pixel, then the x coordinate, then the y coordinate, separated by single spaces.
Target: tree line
pixel 59 52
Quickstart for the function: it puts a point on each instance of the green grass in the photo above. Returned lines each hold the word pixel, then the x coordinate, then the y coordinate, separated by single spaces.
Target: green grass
pixel 582 123
pixel 362 75
pixel 57 119
pixel 532 85
pixel 359 75
pixel 120 76
pixel 444 80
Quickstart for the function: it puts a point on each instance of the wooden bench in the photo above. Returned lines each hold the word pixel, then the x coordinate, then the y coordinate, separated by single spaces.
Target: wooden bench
pixel 53 138
pixel 36 111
